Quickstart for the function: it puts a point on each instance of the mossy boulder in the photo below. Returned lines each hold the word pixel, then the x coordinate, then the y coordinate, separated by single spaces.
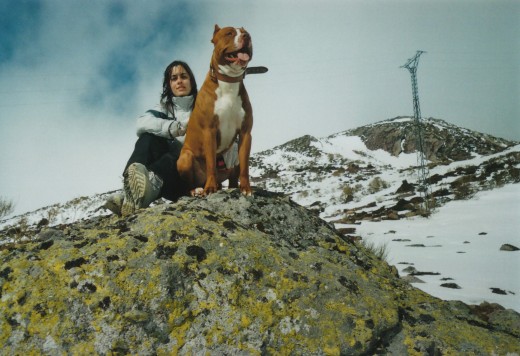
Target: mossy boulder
pixel 224 275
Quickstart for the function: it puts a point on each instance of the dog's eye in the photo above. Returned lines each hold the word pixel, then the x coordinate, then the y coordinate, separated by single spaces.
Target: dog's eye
pixel 229 34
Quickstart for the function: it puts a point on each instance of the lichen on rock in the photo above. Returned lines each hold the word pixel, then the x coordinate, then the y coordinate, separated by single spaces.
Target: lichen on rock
pixel 226 274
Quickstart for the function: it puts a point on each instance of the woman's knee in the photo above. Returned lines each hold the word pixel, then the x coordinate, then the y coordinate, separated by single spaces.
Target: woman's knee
pixel 147 138
pixel 152 143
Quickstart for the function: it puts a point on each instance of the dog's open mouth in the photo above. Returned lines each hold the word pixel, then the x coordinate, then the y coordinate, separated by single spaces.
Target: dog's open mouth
pixel 240 57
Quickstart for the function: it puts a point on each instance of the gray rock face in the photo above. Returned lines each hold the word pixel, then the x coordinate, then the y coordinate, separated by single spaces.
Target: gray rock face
pixel 225 275
pixel 442 141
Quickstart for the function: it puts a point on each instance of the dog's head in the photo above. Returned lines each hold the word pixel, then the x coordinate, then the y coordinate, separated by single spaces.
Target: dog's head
pixel 233 48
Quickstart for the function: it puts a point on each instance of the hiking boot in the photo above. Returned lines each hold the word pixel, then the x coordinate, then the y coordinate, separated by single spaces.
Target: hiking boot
pixel 141 188
pixel 114 203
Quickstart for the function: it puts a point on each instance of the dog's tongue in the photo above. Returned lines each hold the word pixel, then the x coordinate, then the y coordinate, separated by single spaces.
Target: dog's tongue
pixel 243 56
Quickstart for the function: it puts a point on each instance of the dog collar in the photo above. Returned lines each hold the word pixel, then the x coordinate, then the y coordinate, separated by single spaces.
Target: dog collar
pixel 216 75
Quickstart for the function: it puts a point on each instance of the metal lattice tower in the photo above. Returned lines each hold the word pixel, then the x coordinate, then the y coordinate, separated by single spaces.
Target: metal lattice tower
pixel 422 168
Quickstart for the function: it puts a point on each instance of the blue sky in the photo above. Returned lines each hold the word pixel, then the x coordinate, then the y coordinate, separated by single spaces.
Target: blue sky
pixel 74 75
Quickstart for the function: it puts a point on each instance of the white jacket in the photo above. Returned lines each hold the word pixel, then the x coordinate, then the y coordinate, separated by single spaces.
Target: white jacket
pixel 158 122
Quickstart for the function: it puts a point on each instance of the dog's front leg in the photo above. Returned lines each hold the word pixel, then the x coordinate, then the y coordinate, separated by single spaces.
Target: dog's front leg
pixel 185 165
pixel 186 168
pixel 244 150
pixel 210 154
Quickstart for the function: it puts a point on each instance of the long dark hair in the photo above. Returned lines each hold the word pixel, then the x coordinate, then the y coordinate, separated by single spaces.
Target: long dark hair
pixel 167 94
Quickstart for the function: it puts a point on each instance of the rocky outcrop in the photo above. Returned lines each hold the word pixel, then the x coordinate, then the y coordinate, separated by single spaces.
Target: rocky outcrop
pixel 442 141
pixel 225 275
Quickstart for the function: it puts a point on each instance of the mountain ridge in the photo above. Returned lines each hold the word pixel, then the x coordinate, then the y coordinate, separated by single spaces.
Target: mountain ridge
pixel 442 140
pixel 397 135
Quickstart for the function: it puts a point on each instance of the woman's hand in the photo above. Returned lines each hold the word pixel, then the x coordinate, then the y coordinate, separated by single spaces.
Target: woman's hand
pixel 177 129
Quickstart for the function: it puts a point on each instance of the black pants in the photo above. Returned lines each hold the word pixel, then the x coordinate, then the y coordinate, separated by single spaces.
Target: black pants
pixel 160 155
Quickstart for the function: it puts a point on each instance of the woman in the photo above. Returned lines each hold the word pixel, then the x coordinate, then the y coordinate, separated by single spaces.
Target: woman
pixel 151 171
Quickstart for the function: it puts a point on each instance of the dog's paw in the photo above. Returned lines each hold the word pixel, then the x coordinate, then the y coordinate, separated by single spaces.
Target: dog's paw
pixel 245 187
pixel 246 192
pixel 210 189
pixel 197 192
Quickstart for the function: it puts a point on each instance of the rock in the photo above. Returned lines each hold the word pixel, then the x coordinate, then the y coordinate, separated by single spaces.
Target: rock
pixel 505 320
pixel 405 188
pixel 412 279
pixel 392 215
pixel 420 273
pixel 451 285
pixel 442 141
pixel 224 274
pixel 498 291
pixel 499 317
pixel 410 269
pixel 508 247
pixel 347 230
pixel 43 222
pixel 317 207
pixel 403 204
pixel 352 238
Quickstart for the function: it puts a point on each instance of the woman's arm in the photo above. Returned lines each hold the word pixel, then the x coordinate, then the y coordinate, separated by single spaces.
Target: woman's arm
pixel 158 123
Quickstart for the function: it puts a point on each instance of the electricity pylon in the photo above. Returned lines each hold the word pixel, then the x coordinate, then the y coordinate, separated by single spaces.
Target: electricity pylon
pixel 422 167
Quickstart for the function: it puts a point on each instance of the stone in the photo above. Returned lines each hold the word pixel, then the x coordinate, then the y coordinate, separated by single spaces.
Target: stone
pixel 498 291
pixel 410 269
pixel 347 230
pixel 392 215
pixel 412 279
pixel 225 274
pixel 508 247
pixel 405 188
pixel 450 285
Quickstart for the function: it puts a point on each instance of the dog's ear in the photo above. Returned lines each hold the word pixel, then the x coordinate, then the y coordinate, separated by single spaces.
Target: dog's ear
pixel 217 28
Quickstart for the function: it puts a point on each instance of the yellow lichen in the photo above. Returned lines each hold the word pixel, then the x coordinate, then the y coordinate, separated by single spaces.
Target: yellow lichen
pixel 244 321
pixel 246 287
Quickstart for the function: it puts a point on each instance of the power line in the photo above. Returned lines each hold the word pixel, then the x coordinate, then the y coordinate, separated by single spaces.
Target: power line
pixel 422 168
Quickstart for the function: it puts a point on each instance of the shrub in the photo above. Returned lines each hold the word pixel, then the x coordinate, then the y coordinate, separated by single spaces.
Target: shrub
pixel 6 207
pixel 376 185
pixel 380 251
pixel 462 188
pixel 52 214
pixel 464 191
pixel 19 230
pixel 339 172
pixel 347 192
pixel 303 194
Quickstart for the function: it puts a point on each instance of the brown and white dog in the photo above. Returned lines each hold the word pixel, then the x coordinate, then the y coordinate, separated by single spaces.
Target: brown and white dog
pixel 222 112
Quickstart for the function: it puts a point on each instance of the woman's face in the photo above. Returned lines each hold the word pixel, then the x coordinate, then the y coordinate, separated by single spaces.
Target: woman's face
pixel 180 81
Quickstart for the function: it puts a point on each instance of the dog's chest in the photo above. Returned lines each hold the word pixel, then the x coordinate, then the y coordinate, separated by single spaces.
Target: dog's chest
pixel 230 112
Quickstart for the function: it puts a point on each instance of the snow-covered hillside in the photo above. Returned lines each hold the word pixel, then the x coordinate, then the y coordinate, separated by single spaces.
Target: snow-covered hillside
pixel 364 181
pixel 455 253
